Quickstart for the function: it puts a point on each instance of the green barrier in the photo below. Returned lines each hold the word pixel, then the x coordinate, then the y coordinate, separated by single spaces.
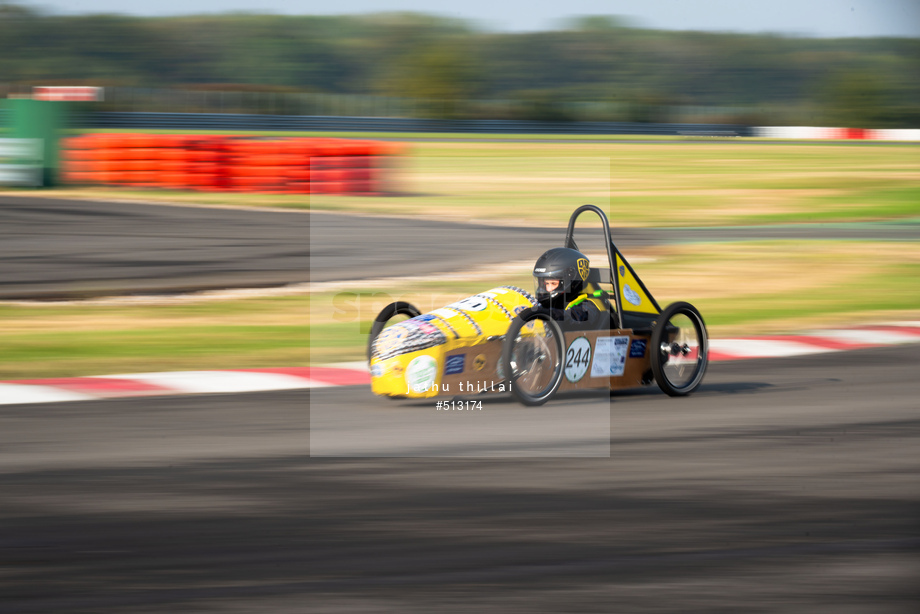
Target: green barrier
pixel 43 120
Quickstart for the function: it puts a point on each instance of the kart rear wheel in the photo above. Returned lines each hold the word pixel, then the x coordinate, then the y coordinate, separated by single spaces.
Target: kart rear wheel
pixel 680 349
pixel 532 357
pixel 399 308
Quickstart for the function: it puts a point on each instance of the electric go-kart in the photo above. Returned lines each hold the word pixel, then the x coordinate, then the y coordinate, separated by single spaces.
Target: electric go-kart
pixel 505 340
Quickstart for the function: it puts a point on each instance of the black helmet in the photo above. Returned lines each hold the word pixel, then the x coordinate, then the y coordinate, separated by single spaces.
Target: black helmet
pixel 570 267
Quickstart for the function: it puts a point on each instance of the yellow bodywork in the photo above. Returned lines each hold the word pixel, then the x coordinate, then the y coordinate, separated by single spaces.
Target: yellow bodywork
pixel 399 369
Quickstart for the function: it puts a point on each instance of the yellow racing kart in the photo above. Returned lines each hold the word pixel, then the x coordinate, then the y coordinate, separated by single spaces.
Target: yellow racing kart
pixel 504 340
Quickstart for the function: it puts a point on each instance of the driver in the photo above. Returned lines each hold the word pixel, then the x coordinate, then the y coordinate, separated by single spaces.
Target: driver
pixel 560 278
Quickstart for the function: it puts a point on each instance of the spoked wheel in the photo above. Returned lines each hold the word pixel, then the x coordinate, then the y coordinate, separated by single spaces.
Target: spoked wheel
pixel 532 357
pixel 391 314
pixel 680 349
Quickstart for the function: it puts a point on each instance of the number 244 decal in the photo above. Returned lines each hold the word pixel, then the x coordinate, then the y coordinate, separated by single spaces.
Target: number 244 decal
pixel 577 359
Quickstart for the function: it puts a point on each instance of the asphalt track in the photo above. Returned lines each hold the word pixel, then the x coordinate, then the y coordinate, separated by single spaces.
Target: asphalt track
pixel 783 485
pixel 66 249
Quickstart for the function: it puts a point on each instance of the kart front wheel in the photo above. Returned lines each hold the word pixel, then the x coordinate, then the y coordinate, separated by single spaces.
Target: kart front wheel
pixel 399 308
pixel 679 349
pixel 532 357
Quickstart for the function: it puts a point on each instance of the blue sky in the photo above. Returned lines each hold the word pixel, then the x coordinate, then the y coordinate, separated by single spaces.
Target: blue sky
pixel 823 18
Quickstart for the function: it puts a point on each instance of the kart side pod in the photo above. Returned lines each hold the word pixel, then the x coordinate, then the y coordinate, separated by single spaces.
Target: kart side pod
pixel 454 349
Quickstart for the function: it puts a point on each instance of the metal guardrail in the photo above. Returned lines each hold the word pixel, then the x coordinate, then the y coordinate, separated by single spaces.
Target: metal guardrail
pixel 23 166
pixel 308 123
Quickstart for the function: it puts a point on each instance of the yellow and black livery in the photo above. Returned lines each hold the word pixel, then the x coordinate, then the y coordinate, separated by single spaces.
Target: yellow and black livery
pixel 507 340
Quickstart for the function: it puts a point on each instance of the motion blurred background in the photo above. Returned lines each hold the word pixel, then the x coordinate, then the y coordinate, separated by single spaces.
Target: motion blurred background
pixel 784 63
pixel 757 159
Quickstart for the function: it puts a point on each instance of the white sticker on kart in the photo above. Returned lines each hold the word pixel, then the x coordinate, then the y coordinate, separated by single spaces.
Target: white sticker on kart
pixel 473 303
pixel 609 356
pixel 631 295
pixel 421 373
pixel 577 359
pixel 444 313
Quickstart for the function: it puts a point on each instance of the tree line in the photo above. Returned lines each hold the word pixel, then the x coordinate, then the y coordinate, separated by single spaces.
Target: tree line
pixel 595 68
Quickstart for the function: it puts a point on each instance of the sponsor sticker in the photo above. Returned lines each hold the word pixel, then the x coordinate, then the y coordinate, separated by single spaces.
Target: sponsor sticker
pixel 421 373
pixel 390 339
pixel 428 329
pixel 631 295
pixel 637 348
pixel 454 364
pixel 577 359
pixel 479 362
pixel 376 370
pixel 609 356
pixel 473 303
pixel 425 317
pixel 519 309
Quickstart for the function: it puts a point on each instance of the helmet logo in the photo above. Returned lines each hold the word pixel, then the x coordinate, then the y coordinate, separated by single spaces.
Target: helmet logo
pixel 583 268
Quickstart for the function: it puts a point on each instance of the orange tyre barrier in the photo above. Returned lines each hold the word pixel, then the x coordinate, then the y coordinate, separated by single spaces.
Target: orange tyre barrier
pixel 198 162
